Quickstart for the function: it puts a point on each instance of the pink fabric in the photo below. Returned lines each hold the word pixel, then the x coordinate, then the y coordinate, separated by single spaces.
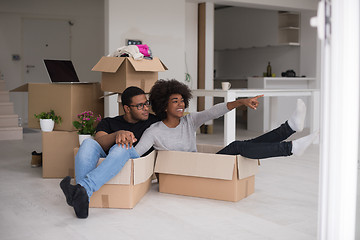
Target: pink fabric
pixel 144 49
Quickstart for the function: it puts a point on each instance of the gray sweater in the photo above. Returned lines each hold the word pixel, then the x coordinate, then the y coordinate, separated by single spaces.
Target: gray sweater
pixel 183 136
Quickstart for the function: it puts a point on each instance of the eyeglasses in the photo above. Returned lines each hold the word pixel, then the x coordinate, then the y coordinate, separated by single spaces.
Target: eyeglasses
pixel 141 106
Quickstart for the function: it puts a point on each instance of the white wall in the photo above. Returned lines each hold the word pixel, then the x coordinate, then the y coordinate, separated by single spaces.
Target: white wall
pixel 87 43
pixel 158 23
pixel 245 27
pixel 247 34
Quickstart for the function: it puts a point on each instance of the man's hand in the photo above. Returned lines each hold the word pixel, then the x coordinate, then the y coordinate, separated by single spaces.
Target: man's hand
pixel 252 102
pixel 125 138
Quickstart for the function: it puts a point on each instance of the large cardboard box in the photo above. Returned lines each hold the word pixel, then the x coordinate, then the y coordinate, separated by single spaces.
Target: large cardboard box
pixel 118 73
pixel 67 100
pixel 205 174
pixel 128 187
pixel 58 153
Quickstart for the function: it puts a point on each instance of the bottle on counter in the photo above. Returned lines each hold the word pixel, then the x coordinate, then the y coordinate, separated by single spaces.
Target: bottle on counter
pixel 268 70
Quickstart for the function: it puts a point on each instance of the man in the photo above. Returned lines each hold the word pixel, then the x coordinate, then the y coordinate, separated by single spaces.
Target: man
pixel 111 135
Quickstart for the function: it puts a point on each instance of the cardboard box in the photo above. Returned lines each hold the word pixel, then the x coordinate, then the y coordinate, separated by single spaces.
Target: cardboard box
pixel 58 153
pixel 67 100
pixel 128 187
pixel 118 73
pixel 205 174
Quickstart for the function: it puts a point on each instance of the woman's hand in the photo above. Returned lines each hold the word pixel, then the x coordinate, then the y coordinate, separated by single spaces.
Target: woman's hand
pixel 252 102
pixel 121 138
pixel 249 102
pixel 125 138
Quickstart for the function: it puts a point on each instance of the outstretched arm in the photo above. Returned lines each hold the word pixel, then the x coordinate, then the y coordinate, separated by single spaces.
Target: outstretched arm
pixel 220 109
pixel 249 102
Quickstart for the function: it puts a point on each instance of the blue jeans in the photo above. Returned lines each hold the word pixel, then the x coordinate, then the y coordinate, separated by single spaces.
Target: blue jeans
pixel 91 177
pixel 268 145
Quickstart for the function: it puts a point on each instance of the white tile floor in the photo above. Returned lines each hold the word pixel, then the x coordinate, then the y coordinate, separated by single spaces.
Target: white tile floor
pixel 284 205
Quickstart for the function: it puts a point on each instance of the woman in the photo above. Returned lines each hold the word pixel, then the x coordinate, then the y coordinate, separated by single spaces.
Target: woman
pixel 177 132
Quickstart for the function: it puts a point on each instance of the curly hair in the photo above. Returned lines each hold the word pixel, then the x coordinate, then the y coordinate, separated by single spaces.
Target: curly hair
pixel 161 92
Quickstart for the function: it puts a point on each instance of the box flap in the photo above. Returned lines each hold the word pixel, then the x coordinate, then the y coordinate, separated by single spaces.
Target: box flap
pixel 195 164
pixel 108 95
pixel 165 67
pixel 108 64
pixel 205 148
pixel 246 167
pixel 144 168
pixel 22 88
pixel 123 177
pixel 146 65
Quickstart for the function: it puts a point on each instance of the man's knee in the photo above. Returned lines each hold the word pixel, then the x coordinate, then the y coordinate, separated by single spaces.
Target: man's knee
pixel 122 152
pixel 89 142
pixel 117 150
pixel 89 147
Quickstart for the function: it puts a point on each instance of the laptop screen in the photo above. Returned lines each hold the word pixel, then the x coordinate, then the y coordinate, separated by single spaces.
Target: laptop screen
pixel 61 71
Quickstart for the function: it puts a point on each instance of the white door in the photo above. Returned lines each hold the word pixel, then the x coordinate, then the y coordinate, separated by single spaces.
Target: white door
pixel 42 39
pixel 338 27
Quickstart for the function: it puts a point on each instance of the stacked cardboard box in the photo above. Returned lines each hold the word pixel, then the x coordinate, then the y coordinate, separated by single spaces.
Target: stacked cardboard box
pixel 118 73
pixel 58 153
pixel 67 100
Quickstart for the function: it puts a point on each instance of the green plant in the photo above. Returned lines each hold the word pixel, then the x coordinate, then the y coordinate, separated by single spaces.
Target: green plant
pixel 49 115
pixel 87 122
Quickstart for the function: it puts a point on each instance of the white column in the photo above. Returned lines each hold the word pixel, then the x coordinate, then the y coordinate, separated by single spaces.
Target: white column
pixel 209 54
pixel 229 121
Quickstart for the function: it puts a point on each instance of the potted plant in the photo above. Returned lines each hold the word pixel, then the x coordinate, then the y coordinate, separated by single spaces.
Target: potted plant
pixel 48 120
pixel 86 125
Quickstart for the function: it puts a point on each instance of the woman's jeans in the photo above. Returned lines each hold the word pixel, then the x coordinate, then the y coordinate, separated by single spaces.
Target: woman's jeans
pixel 91 177
pixel 265 146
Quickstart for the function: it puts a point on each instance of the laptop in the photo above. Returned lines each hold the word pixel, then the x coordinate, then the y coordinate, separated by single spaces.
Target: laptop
pixel 61 71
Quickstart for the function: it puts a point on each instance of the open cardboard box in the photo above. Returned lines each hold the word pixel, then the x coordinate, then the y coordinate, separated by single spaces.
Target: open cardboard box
pixel 205 174
pixel 118 73
pixel 58 153
pixel 128 187
pixel 67 100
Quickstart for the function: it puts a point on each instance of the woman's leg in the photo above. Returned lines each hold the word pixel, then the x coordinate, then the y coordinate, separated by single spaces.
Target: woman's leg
pixel 294 124
pixel 266 150
pixel 276 135
pixel 257 150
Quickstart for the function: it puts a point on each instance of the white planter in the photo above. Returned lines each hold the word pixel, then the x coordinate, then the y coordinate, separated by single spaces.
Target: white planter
pixel 82 137
pixel 47 125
